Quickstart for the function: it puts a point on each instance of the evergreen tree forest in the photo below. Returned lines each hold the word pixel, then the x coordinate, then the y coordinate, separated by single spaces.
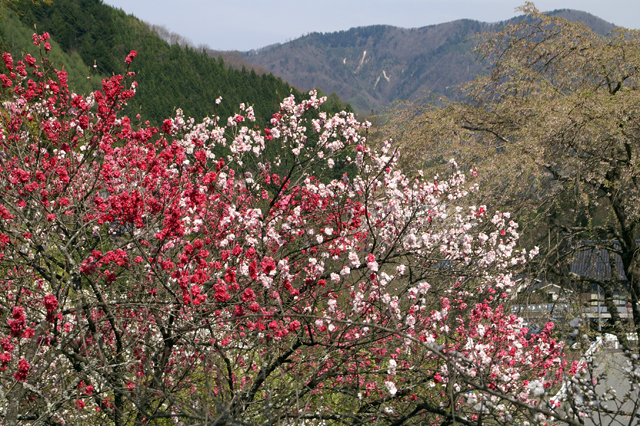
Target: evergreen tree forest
pixel 90 33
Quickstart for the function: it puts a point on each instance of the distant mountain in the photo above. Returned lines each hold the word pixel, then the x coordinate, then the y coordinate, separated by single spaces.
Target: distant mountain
pixel 370 67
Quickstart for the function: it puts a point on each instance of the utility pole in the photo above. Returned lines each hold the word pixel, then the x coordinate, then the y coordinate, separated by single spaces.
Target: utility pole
pixel 599 320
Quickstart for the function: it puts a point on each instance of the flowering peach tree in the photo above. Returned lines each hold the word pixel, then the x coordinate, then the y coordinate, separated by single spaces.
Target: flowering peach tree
pixel 183 275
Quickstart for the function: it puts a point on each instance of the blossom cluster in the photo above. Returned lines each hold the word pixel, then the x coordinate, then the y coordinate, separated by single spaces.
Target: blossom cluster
pixel 197 269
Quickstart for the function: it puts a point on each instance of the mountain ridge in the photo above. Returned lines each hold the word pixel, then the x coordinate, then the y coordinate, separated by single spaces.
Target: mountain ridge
pixel 372 66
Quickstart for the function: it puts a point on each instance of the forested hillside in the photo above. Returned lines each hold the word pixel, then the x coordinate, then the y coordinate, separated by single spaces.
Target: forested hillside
pixel 169 76
pixel 15 38
pixel 373 66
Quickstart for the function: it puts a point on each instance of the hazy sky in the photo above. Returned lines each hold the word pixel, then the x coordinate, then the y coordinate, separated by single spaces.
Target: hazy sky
pixel 251 24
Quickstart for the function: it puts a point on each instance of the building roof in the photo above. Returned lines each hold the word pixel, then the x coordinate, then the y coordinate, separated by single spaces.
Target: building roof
pixel 591 260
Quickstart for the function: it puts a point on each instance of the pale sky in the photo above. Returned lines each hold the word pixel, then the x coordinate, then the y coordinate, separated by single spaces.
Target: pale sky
pixel 251 24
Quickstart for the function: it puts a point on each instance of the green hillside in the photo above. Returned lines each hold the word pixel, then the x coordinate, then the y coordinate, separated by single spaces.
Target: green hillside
pixel 15 38
pixel 169 76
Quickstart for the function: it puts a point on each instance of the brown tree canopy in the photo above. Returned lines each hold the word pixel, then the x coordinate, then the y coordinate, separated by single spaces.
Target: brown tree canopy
pixel 554 127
